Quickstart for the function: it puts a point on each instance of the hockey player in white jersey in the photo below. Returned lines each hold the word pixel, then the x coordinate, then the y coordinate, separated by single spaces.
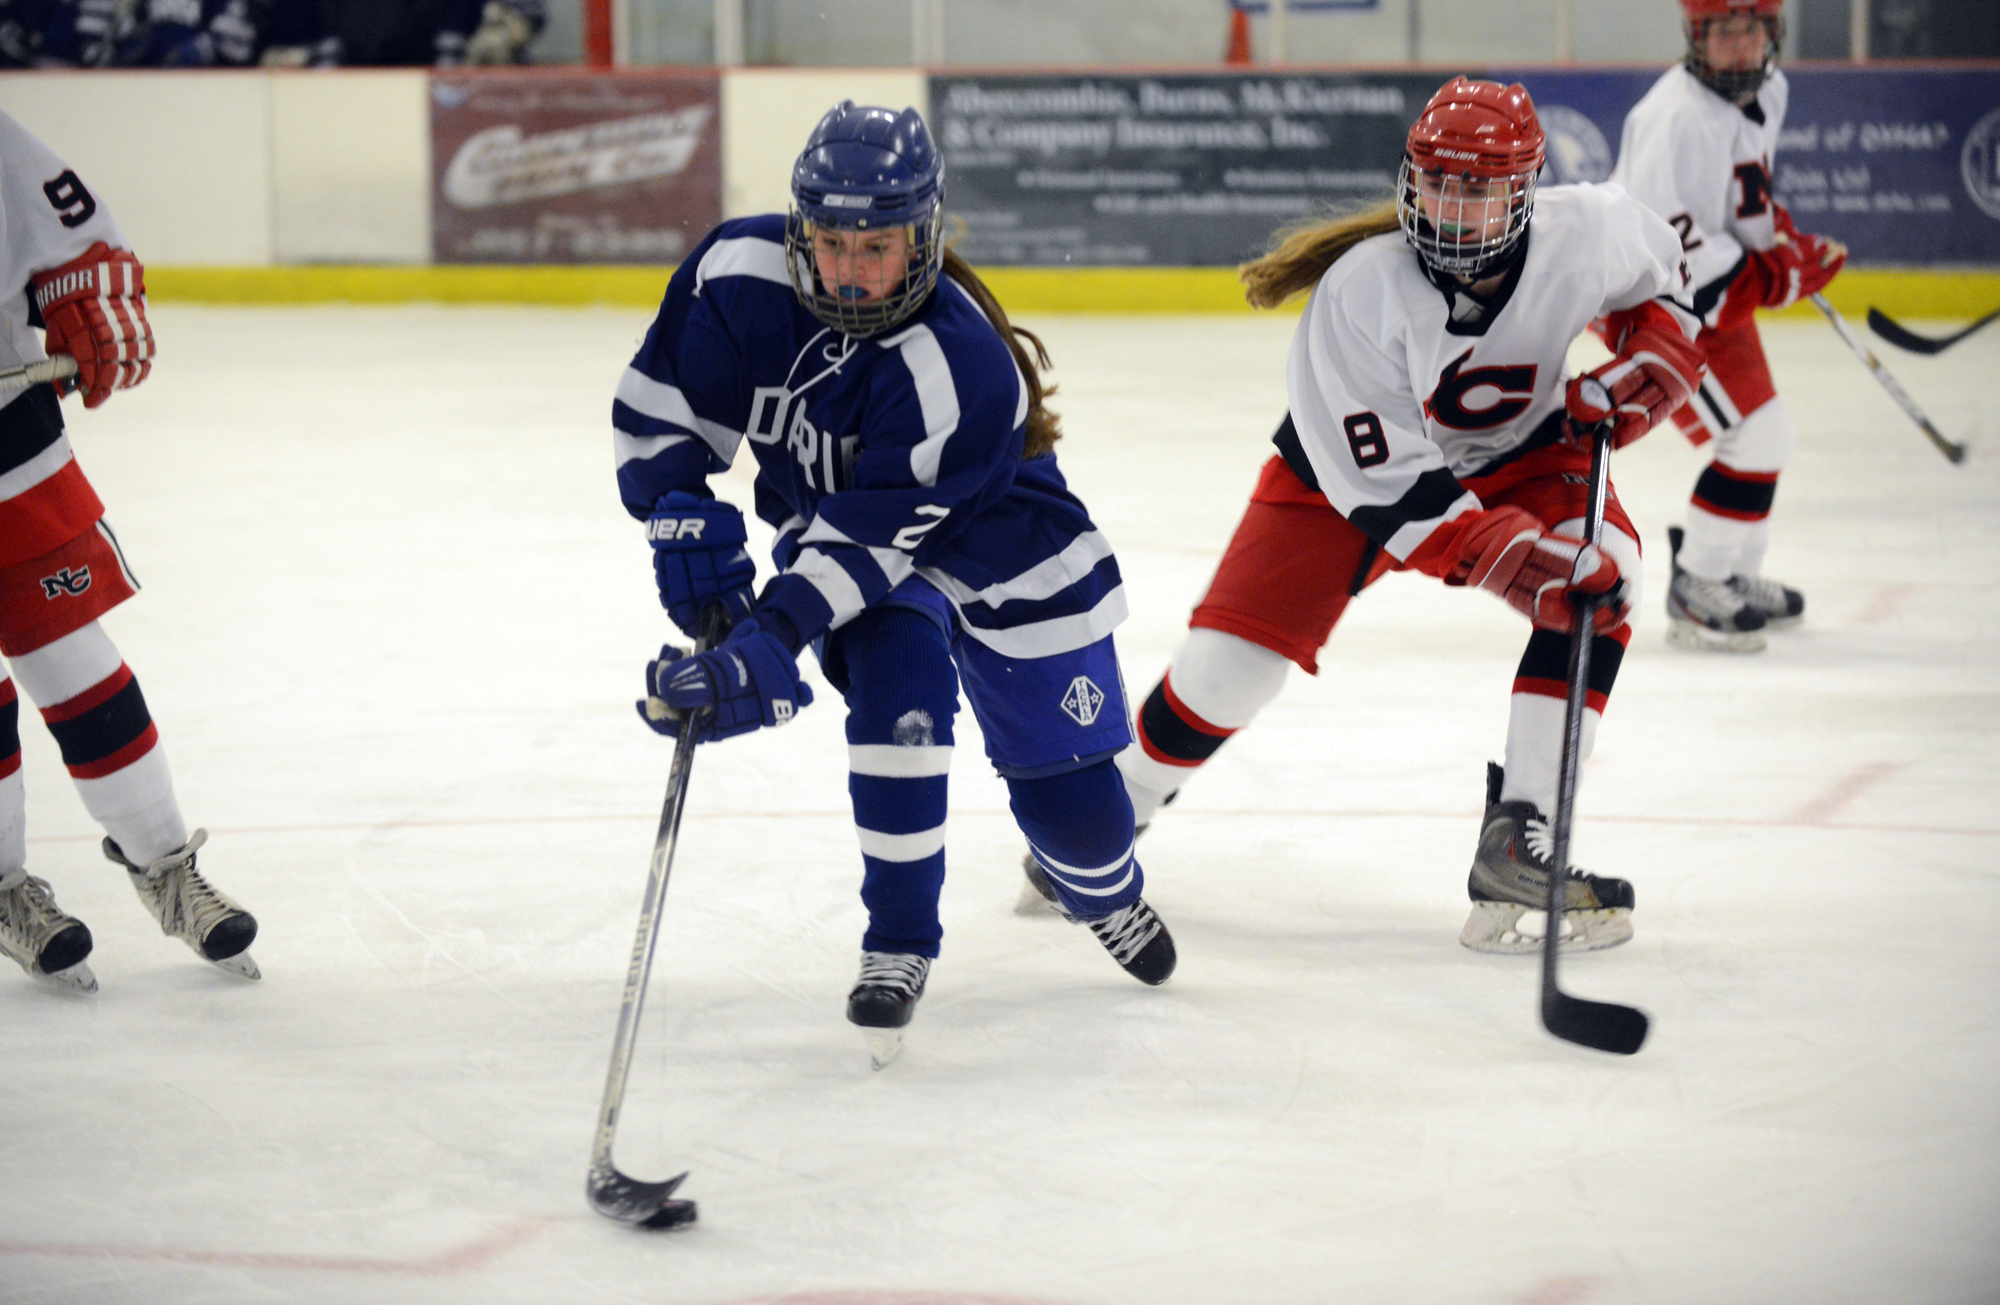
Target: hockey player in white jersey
pixel 1697 150
pixel 69 273
pixel 1433 426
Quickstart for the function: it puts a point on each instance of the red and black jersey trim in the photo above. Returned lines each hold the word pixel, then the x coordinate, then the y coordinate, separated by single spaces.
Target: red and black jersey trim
pixel 1738 495
pixel 1428 499
pixel 1172 733
pixel 10 729
pixel 28 425
pixel 1708 296
pixel 105 728
pixel 1294 453
pixel 1544 667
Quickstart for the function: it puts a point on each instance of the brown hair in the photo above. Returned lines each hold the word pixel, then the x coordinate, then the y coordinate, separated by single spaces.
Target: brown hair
pixel 1300 253
pixel 1043 425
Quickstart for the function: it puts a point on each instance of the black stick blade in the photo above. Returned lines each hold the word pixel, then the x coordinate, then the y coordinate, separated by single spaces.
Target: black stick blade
pixel 1903 338
pixel 1599 1025
pixel 643 1205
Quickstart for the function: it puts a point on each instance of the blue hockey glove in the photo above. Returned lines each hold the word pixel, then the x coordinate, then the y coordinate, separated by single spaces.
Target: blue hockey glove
pixel 747 681
pixel 699 558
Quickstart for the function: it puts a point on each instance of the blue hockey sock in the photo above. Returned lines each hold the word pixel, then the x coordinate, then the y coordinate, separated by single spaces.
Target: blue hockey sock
pixel 1079 826
pixel 902 693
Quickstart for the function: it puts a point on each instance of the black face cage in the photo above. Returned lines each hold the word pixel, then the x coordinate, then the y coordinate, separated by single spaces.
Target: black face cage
pixel 870 317
pixel 1453 254
pixel 1736 85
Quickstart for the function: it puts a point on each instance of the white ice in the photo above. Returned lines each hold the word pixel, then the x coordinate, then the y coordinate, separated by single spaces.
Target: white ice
pixel 393 624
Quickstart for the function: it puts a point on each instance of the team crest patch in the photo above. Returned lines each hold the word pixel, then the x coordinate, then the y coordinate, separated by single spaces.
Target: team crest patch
pixel 1083 701
pixel 66 583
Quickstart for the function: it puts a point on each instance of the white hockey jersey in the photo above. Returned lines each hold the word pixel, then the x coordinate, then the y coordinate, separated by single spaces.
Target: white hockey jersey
pixel 1394 401
pixel 1704 165
pixel 47 218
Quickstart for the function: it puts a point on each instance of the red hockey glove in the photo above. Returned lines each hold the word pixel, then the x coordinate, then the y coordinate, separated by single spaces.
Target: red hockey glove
pixel 1797 266
pixel 1507 551
pixel 1656 370
pixel 95 311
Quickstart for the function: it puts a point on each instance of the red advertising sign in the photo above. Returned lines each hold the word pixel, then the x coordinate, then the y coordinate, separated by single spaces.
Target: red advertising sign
pixel 531 167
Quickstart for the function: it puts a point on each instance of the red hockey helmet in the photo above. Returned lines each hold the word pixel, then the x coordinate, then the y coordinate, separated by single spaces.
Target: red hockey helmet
pixel 1695 9
pixel 1467 186
pixel 1736 85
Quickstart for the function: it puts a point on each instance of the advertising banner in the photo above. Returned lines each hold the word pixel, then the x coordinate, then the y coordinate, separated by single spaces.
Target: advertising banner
pixel 564 168
pixel 1901 165
pixel 1169 170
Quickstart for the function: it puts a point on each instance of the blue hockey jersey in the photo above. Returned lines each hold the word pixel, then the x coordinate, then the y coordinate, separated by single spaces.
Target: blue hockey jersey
pixel 877 458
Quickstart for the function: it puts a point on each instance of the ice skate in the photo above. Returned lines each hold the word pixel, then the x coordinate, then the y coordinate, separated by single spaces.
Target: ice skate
pixel 47 942
pixel 189 908
pixel 1781 605
pixel 1710 614
pixel 1138 940
pixel 1510 877
pixel 884 999
pixel 1036 898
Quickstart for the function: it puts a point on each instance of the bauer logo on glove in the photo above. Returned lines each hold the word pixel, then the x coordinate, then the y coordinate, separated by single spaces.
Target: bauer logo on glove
pixel 699 558
pixel 664 529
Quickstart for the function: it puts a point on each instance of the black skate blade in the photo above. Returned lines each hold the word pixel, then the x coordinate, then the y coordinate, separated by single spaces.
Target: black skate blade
pixel 1599 1025
pixel 641 1204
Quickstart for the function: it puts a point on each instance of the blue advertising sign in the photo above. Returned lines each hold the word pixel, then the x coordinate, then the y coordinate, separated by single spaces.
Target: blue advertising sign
pixel 1162 170
pixel 1902 165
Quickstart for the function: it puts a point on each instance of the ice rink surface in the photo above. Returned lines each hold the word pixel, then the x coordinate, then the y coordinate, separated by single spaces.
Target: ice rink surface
pixel 393 624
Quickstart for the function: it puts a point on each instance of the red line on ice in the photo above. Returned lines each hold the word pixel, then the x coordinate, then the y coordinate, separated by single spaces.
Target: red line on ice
pixel 1888 600
pixel 1844 790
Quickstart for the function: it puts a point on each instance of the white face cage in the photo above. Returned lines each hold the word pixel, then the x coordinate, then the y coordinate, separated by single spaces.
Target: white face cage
pixel 1462 224
pixel 862 318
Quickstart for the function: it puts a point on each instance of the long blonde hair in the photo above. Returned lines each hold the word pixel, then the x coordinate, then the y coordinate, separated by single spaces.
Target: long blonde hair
pixel 1300 252
pixel 1044 428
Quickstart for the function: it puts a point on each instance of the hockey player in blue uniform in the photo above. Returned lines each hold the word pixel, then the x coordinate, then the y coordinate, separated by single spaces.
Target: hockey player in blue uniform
pixel 925 538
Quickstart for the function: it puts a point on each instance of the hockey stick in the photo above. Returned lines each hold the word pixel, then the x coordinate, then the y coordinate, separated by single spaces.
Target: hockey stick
pixel 59 368
pixel 1952 452
pixel 613 1194
pixel 1903 338
pixel 1596 1024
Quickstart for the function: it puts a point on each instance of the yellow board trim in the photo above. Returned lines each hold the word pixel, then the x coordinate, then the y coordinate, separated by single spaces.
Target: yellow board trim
pixel 1901 292
pixel 371 284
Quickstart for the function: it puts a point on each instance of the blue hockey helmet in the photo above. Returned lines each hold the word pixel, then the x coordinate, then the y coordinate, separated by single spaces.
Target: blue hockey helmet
pixel 867 169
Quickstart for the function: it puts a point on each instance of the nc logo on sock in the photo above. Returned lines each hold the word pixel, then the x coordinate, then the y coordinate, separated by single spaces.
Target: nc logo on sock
pixel 1083 701
pixel 66 583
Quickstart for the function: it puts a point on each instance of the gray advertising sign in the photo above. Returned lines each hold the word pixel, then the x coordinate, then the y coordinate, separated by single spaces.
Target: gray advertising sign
pixel 1173 170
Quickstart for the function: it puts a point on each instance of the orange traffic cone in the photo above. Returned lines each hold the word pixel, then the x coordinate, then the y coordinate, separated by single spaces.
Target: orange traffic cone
pixel 1238 50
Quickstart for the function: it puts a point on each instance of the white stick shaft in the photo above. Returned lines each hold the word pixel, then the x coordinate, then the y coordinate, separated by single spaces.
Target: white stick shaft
pixel 1953 452
pixel 57 368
